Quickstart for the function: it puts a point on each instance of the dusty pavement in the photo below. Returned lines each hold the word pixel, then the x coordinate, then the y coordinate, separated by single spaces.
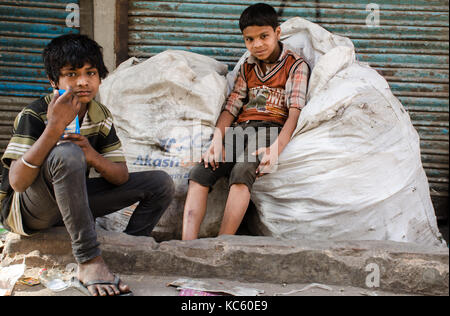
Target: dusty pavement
pixel 269 265
pixel 146 285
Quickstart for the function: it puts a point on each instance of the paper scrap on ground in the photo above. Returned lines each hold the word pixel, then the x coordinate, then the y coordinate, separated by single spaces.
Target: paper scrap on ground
pixel 216 288
pixel 8 278
pixel 190 292
pixel 308 287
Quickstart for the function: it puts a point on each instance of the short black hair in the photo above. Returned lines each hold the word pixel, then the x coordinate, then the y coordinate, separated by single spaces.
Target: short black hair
pixel 74 50
pixel 260 14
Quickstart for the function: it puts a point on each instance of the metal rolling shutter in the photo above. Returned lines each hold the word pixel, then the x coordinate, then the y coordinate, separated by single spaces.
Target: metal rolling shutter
pixel 25 28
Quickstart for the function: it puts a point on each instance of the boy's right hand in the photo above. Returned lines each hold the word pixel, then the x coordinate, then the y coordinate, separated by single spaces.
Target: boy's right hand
pixel 62 110
pixel 214 155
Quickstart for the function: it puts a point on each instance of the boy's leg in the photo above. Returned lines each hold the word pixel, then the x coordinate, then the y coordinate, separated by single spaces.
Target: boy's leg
pixel 237 205
pixel 243 176
pixel 201 180
pixel 194 210
pixel 59 195
pixel 154 190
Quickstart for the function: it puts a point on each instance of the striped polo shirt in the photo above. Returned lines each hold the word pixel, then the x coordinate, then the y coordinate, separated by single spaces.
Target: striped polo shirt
pixel 29 125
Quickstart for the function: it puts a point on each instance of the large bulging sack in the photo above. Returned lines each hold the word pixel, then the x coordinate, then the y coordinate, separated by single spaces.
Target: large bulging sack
pixel 353 169
pixel 165 110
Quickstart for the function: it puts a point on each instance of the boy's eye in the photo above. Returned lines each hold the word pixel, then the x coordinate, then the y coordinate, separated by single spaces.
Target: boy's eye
pixel 70 74
pixel 92 73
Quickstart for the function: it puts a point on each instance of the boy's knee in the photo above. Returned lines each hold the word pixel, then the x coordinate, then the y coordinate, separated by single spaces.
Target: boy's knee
pixel 202 176
pixel 244 173
pixel 165 185
pixel 67 156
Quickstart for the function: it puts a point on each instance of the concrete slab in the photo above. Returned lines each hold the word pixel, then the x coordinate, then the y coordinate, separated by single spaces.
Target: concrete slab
pixel 372 265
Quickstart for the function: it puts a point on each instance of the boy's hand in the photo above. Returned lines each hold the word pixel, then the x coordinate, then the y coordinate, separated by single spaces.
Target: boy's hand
pixel 270 155
pixel 89 152
pixel 214 155
pixel 62 110
pixel 268 159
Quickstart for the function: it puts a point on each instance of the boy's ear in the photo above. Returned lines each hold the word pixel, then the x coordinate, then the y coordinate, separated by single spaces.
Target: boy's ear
pixel 278 32
pixel 54 85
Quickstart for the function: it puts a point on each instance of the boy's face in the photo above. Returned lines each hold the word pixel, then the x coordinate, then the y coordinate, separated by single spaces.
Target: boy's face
pixel 84 82
pixel 262 42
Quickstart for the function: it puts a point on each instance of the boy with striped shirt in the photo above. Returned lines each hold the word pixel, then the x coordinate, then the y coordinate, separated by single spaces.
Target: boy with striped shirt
pixel 263 110
pixel 44 179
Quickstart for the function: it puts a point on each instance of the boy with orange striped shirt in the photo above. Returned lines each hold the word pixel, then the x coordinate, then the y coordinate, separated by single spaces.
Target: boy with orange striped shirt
pixel 269 94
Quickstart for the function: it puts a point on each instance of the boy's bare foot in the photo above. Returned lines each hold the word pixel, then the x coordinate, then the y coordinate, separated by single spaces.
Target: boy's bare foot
pixel 96 269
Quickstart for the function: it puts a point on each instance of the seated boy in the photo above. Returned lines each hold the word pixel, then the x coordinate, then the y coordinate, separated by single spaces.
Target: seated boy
pixel 45 180
pixel 269 93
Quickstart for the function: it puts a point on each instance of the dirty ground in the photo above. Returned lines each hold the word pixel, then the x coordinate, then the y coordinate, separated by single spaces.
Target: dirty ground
pixel 146 285
pixel 156 283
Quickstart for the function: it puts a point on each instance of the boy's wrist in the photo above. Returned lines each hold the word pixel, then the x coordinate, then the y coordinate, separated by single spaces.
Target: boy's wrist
pixel 53 133
pixel 96 160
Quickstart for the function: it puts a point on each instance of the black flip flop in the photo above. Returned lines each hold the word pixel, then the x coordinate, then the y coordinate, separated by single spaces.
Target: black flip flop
pixel 83 287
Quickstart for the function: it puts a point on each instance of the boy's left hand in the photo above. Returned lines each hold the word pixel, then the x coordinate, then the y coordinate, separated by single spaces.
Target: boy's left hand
pixel 89 152
pixel 268 159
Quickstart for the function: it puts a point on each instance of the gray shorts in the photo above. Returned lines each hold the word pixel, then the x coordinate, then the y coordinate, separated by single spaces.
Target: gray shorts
pixel 240 165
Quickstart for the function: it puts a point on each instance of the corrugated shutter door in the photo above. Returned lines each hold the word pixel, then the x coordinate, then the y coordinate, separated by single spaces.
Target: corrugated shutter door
pixel 410 49
pixel 25 28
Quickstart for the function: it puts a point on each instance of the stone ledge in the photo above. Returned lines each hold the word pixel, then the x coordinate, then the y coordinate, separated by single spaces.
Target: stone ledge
pixel 404 268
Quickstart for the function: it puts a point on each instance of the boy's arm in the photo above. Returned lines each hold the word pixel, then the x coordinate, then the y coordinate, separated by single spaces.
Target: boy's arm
pixel 113 172
pixel 225 120
pixel 230 111
pixel 296 89
pixel 289 127
pixel 270 154
pixel 22 176
pixel 61 111
pixel 216 152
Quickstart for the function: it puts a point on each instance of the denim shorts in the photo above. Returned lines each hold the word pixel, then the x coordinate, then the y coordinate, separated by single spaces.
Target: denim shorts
pixel 240 165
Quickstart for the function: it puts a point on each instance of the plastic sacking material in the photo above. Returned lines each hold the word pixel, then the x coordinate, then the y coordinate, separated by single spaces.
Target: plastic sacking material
pixel 165 110
pixel 353 169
